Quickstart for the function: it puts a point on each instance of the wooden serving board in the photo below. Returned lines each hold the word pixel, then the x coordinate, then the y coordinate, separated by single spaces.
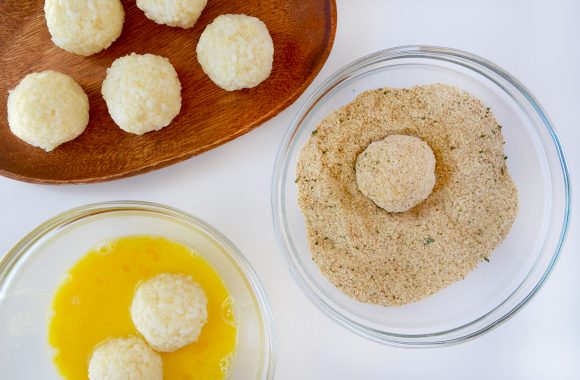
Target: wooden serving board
pixel 303 33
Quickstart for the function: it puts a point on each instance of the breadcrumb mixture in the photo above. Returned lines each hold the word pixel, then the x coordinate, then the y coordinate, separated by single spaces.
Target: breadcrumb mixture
pixel 389 259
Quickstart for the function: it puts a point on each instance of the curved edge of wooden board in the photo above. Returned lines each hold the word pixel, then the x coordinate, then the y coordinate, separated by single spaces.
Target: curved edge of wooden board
pixel 159 165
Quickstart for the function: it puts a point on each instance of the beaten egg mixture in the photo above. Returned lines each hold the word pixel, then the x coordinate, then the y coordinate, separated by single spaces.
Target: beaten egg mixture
pixel 92 304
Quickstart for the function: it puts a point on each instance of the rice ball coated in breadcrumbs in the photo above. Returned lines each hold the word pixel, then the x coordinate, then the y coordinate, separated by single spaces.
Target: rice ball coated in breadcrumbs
pixel 169 310
pixel 396 173
pixel 236 51
pixel 125 359
pixel 180 13
pixel 47 109
pixel 84 27
pixel 142 92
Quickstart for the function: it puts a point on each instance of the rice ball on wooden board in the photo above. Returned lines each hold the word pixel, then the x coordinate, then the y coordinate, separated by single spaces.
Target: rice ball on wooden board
pixel 142 92
pixel 169 310
pixel 47 109
pixel 180 13
pixel 84 27
pixel 125 359
pixel 236 51
pixel 396 173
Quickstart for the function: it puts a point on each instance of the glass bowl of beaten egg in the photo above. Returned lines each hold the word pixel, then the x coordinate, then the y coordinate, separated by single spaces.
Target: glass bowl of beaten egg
pixel 39 266
pixel 499 286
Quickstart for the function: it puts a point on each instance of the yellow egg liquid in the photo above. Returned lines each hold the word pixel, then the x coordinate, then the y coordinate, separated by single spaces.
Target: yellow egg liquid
pixel 92 304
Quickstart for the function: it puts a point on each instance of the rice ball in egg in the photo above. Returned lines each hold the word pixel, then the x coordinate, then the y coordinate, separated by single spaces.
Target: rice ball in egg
pixel 84 27
pixel 236 51
pixel 125 359
pixel 169 310
pixel 47 109
pixel 180 13
pixel 396 173
pixel 142 92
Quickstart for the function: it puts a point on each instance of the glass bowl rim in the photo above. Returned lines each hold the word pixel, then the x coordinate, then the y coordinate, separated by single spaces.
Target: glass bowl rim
pixel 287 144
pixel 54 224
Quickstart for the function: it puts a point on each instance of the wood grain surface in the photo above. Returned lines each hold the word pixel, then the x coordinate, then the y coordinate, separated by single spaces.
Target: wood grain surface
pixel 303 34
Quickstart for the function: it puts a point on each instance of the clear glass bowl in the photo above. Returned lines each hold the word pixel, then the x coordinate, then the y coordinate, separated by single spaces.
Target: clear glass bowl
pixel 31 271
pixel 519 266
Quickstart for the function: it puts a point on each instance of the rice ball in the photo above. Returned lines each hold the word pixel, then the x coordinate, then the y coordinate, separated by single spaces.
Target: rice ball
pixel 84 27
pixel 47 109
pixel 396 173
pixel 125 359
pixel 236 51
pixel 169 310
pixel 142 92
pixel 180 13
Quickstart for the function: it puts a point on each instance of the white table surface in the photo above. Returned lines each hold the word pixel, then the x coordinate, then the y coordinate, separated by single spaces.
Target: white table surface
pixel 537 41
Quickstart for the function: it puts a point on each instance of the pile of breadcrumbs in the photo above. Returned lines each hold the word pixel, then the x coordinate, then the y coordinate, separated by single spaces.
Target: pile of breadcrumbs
pixel 388 258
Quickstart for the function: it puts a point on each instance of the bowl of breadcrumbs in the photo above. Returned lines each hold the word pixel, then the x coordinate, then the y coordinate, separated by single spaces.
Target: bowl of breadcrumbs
pixel 421 196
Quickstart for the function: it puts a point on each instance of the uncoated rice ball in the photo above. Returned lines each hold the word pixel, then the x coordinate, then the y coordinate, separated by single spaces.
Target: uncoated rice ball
pixel 47 109
pixel 169 310
pixel 142 92
pixel 84 27
pixel 125 359
pixel 236 51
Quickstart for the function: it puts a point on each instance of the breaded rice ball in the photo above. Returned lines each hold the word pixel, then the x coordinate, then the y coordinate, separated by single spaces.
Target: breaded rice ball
pixel 142 92
pixel 125 359
pixel 84 27
pixel 169 310
pixel 396 173
pixel 236 51
pixel 180 13
pixel 47 109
